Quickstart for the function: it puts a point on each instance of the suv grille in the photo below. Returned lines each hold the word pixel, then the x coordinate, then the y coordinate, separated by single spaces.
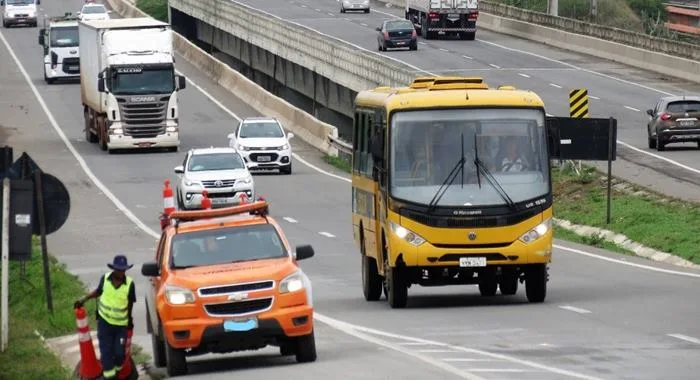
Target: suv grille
pixel 143 119
pixel 238 308
pixel 215 290
pixel 263 148
pixel 224 183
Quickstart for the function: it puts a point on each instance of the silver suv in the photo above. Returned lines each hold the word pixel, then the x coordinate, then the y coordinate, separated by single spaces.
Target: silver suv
pixel 220 171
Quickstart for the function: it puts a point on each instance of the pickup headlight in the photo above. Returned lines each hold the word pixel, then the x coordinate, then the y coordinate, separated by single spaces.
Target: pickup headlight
pixel 406 234
pixel 292 283
pixel 189 182
pixel 178 296
pixel 536 232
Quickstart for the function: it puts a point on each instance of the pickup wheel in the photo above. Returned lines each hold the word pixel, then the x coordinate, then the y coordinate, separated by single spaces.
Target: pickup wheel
pixel 306 348
pixel 536 282
pixel 488 283
pixel 176 360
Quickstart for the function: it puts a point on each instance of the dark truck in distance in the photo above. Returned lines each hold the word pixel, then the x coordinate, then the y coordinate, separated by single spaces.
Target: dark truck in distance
pixel 674 119
pixel 450 17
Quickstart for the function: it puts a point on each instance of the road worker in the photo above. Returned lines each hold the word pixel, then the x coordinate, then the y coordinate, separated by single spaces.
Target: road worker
pixel 116 295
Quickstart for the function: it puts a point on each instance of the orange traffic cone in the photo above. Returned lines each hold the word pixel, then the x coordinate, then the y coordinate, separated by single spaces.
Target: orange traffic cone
pixel 168 200
pixel 243 198
pixel 90 367
pixel 126 370
pixel 206 202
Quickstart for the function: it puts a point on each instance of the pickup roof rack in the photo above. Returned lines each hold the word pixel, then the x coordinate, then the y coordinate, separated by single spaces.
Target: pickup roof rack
pixel 260 207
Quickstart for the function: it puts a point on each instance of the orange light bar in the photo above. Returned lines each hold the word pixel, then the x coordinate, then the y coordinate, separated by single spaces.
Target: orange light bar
pixel 219 212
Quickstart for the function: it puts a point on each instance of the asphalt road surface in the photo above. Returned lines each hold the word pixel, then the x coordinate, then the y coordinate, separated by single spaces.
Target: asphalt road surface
pixel 548 71
pixel 606 315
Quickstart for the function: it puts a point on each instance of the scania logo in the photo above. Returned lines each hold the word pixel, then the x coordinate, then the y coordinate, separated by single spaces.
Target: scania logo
pixel 472 235
pixel 143 98
pixel 218 183
pixel 237 296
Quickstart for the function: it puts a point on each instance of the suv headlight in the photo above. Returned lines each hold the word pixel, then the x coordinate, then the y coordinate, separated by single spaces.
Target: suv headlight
pixel 536 232
pixel 292 283
pixel 283 147
pixel 247 180
pixel 406 234
pixel 241 147
pixel 178 296
pixel 189 182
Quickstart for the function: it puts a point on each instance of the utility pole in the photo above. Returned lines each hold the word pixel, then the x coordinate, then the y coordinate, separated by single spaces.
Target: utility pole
pixel 594 9
pixel 553 6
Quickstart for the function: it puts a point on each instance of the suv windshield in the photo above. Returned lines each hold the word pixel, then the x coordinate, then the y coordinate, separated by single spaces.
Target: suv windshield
pixel 261 130
pixel 427 145
pixel 64 36
pixel 93 9
pixel 20 2
pixel 684 106
pixel 215 161
pixel 227 245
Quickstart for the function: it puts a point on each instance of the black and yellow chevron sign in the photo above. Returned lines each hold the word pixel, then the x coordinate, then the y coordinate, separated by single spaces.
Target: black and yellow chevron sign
pixel 578 103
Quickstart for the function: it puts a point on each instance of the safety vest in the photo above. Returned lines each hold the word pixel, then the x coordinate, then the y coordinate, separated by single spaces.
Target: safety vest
pixel 113 305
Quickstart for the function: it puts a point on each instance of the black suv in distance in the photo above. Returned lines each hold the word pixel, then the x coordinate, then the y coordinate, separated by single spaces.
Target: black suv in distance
pixel 675 119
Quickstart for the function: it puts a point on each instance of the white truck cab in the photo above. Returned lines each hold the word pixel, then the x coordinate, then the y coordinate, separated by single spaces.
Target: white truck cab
pixel 61 48
pixel 19 12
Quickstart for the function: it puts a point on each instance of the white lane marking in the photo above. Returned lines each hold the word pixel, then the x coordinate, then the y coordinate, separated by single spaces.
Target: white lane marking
pixel 302 5
pixel 575 309
pixel 317 10
pixel 523 75
pixel 72 149
pixel 467 360
pixel 290 220
pixel 268 14
pixel 685 338
pixel 340 324
pixel 632 108
pixel 494 66
pixel 422 43
pixel 499 370
pixel 346 19
pixel 593 97
pixel 326 234
pixel 670 161
pixel 442 49
pixel 330 14
pixel 363 24
pixel 467 57
pixel 555 85
pixel 429 351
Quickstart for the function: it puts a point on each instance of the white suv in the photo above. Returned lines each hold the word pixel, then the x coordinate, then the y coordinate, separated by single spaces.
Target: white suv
pixel 220 171
pixel 263 144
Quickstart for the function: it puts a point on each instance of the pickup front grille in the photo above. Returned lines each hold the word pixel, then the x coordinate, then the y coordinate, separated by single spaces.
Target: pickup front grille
pixel 234 288
pixel 239 308
pixel 143 119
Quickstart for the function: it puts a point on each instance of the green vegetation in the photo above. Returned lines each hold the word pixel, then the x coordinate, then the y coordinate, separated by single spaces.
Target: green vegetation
pixel 26 356
pixel 653 220
pixel 645 16
pixel 158 9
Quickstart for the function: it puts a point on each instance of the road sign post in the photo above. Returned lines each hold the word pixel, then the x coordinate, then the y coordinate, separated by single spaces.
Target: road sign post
pixel 5 261
pixel 42 233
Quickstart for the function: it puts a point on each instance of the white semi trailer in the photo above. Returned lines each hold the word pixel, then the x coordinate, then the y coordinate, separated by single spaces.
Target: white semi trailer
pixel 449 17
pixel 128 84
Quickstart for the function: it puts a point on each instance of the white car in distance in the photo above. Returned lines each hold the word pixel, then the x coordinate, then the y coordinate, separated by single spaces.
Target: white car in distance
pixel 263 144
pixel 219 171
pixel 93 11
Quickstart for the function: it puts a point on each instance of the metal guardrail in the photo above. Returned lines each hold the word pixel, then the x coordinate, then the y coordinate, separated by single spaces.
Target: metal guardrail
pixel 342 146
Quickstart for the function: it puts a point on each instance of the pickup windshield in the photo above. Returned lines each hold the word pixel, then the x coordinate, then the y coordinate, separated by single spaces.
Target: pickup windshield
pixel 64 36
pixel 143 81
pixel 227 245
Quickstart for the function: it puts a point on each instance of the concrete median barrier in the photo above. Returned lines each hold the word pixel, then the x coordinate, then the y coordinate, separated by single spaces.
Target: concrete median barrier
pixel 302 124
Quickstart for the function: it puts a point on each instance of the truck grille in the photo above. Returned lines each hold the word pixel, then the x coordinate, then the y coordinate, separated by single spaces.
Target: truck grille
pixel 226 289
pixel 224 183
pixel 71 65
pixel 239 308
pixel 143 119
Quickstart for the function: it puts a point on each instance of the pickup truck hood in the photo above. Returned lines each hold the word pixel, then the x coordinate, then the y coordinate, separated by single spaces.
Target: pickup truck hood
pixel 224 274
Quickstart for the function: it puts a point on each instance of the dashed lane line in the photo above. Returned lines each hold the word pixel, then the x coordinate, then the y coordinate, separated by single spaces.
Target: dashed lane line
pixel 290 220
pixel 685 338
pixel 575 309
pixel 326 234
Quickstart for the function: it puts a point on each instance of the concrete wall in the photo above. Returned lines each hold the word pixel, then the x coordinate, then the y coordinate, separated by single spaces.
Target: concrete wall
pixel 302 124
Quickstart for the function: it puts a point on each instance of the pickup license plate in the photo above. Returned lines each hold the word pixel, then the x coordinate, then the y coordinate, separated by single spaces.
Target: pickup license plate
pixel 241 324
pixel 144 145
pixel 73 68
pixel 687 123
pixel 472 262
pixel 264 158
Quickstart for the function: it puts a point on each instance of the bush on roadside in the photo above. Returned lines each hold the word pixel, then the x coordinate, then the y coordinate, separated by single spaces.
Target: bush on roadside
pixel 158 9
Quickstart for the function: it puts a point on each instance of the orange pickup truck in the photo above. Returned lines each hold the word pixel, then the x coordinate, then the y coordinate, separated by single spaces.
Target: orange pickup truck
pixel 226 280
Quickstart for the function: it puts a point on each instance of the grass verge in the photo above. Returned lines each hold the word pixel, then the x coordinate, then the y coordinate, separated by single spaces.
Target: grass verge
pixel 658 222
pixel 158 9
pixel 26 356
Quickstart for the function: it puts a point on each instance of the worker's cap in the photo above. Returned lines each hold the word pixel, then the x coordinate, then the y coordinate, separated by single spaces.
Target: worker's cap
pixel 120 263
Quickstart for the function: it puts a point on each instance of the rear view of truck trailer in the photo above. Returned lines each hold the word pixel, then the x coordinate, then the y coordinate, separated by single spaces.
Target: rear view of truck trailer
pixel 128 84
pixel 448 17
